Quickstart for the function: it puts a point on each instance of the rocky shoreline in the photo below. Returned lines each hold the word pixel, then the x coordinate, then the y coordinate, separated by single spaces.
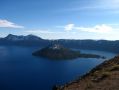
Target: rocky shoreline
pixel 103 77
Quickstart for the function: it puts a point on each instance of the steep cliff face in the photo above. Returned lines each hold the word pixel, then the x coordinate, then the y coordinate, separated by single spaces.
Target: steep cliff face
pixel 103 77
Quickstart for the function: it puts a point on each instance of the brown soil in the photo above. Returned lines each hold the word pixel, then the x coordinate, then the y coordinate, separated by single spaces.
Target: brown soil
pixel 103 77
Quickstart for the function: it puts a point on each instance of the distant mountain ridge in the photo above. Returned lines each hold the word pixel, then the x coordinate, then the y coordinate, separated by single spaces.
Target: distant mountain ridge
pixel 19 38
pixel 32 40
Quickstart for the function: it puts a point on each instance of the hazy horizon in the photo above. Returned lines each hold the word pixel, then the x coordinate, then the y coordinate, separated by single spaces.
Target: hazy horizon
pixel 57 38
pixel 64 19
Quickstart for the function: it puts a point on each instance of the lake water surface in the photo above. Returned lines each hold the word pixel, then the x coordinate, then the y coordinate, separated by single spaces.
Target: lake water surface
pixel 19 70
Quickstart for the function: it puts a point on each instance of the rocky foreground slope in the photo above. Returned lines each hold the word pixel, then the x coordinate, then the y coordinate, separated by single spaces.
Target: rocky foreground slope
pixel 103 77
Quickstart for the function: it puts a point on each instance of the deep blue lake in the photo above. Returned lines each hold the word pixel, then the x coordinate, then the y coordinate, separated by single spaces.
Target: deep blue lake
pixel 19 70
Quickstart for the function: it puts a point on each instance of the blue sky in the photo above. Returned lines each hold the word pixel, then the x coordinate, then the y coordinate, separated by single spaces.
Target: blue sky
pixel 61 19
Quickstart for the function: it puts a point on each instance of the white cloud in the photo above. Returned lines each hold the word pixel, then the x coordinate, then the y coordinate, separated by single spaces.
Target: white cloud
pixel 69 27
pixel 114 24
pixel 103 28
pixel 96 29
pixel 48 34
pixel 111 5
pixel 8 24
pixel 42 32
pixel 103 31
